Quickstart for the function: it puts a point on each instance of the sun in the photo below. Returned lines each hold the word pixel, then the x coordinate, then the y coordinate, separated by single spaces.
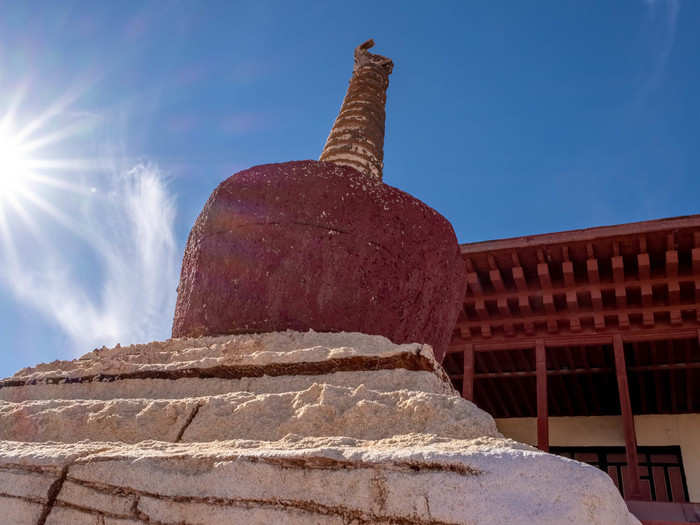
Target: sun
pixel 36 185
pixel 14 165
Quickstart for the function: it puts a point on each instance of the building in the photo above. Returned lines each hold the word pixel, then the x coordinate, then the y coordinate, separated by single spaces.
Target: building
pixel 587 343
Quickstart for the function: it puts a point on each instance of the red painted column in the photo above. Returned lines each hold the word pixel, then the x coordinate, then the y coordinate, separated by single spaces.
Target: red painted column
pixel 468 377
pixel 634 490
pixel 542 413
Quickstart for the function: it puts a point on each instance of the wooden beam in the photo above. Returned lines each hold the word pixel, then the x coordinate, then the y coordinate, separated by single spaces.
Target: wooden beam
pixel 548 302
pixel 567 268
pixel 474 284
pixel 672 263
pixel 592 269
pixel 631 231
pixel 586 338
pixel 634 490
pixel 509 328
pixel 575 324
pixel 648 319
pixel 665 367
pixel 585 288
pixel 618 268
pixel 623 320
pixel 674 292
pixel 524 305
pixel 519 278
pixel 676 317
pixel 620 297
pixel 496 280
pixel 585 371
pixel 533 373
pixel 481 310
pixel 598 321
pixel 643 266
pixel 529 327
pixel 542 415
pixel 468 378
pixel 543 275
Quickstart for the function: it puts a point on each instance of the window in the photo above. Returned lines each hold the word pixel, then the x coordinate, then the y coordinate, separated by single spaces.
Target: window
pixel 661 473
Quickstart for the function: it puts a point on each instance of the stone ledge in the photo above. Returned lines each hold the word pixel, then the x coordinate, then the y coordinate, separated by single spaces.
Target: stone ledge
pixel 320 410
pixel 405 479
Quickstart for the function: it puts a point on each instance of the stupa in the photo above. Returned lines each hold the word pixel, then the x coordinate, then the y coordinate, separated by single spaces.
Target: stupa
pixel 324 245
pixel 270 405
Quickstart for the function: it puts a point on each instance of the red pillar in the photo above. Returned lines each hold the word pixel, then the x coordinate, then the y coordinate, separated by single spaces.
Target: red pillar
pixel 542 414
pixel 468 377
pixel 634 490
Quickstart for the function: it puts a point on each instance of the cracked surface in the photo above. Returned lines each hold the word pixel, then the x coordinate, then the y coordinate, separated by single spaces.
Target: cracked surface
pixel 320 410
pixel 254 350
pixel 485 480
pixel 127 420
pixel 380 380
pixel 323 454
pixel 260 363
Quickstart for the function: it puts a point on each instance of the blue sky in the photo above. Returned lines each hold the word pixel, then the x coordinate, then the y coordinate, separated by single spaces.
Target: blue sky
pixel 510 118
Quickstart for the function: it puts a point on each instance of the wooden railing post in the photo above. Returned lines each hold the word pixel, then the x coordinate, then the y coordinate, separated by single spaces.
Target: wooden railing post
pixel 634 490
pixel 542 413
pixel 468 377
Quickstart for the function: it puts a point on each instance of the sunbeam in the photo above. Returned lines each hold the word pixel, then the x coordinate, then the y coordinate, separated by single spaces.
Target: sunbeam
pixel 24 163
pixel 55 204
pixel 13 165
pixel 29 221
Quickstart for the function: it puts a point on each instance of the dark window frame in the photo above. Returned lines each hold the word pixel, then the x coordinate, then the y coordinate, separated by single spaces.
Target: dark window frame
pixel 604 462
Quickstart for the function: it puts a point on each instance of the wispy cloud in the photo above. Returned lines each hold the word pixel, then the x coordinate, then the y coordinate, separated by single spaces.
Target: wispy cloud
pixel 130 234
pixel 663 20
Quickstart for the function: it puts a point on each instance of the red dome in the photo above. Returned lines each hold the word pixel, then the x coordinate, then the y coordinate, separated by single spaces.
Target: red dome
pixel 313 245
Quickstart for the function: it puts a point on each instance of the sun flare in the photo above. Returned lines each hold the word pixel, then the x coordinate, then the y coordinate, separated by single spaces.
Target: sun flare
pixel 14 165
pixel 33 181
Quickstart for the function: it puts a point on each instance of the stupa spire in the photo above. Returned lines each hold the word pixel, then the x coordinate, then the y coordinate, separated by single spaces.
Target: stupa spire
pixel 357 136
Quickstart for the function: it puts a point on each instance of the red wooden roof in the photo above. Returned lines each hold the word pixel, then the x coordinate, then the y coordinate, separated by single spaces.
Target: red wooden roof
pixel 576 290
